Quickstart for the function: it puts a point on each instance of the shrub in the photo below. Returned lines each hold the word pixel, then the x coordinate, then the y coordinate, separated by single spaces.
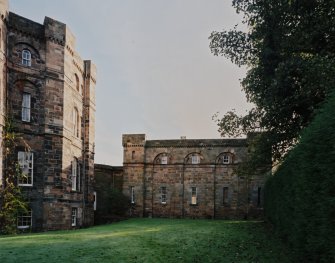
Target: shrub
pixel 300 197
pixel 112 207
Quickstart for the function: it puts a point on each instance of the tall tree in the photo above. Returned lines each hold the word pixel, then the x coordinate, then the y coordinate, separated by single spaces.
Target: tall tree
pixel 289 51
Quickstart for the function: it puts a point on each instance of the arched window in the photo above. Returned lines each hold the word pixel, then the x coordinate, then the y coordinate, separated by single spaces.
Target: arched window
pixel 76 122
pixel 193 158
pixel 26 58
pixel 77 81
pixel 162 158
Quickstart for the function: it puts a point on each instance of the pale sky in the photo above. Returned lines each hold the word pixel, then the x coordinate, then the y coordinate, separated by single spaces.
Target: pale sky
pixel 156 74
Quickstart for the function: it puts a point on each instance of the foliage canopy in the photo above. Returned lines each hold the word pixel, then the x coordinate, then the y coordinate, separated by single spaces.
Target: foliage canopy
pixel 289 51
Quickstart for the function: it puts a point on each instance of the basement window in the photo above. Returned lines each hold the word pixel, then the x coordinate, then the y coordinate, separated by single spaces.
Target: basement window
pixel 24 220
pixel 74 217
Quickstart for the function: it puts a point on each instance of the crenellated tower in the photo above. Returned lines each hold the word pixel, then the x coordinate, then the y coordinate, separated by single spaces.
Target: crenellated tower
pixel 48 91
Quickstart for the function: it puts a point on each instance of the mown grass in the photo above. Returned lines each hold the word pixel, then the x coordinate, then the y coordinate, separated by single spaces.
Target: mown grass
pixel 149 240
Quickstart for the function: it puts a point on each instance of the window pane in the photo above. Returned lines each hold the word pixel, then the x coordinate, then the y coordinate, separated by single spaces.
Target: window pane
pixel 26 99
pixel 24 220
pixel 195 159
pixel 25 160
pixel 226 159
pixel 74 175
pixel 194 196
pixel 164 160
pixel 74 217
pixel 163 194
pixel 26 58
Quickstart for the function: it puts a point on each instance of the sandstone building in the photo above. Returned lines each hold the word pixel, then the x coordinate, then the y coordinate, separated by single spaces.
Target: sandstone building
pixel 190 178
pixel 48 93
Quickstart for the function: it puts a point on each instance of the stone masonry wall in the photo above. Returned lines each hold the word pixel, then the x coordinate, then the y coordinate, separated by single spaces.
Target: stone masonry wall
pixel 163 176
pixel 58 81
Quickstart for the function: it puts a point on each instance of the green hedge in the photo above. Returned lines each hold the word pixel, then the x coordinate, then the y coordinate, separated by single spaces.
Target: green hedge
pixel 300 197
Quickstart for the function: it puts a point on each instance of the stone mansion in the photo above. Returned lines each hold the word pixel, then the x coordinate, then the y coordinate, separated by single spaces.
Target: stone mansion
pixel 47 92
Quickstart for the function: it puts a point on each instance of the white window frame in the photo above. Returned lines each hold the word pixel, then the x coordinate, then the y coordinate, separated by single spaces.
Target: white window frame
pixel 26 163
pixel 74 214
pixel 163 194
pixel 195 159
pixel 26 106
pixel 194 195
pixel 226 159
pixel 132 194
pixel 26 58
pixel 24 220
pixel 164 160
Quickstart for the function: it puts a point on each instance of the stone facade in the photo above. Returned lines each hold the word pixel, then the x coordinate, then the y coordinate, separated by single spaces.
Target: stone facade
pixel 49 94
pixel 190 178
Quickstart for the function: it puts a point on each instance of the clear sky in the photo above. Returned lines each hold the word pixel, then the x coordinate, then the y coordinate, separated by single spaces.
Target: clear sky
pixel 156 74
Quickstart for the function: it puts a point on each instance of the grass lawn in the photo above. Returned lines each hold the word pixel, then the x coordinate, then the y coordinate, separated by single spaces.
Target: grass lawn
pixel 149 240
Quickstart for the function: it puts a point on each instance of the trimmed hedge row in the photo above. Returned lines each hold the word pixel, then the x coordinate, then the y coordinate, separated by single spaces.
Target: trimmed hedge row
pixel 300 197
